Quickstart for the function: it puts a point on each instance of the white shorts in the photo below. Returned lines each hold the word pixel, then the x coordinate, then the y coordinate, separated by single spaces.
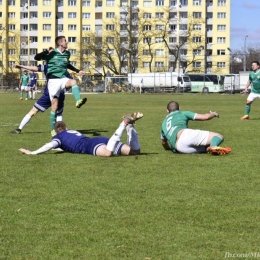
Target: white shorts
pixel 56 86
pixel 192 141
pixel 25 88
pixel 253 96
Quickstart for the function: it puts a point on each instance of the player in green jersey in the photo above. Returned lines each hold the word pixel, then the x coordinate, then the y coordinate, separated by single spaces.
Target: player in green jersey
pixel 176 136
pixel 254 81
pixel 58 60
pixel 23 86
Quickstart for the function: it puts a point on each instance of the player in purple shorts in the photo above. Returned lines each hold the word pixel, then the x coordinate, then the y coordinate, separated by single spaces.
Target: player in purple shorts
pixel 43 102
pixel 32 85
pixel 73 141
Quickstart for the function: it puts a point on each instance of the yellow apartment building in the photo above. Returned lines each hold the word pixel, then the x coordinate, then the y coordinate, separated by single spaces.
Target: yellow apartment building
pixel 120 36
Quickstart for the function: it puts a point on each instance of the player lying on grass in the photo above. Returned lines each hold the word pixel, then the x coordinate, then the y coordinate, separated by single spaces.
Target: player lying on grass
pixel 43 102
pixel 74 142
pixel 176 136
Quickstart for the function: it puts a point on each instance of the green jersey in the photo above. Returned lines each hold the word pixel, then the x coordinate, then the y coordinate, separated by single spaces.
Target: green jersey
pixel 173 123
pixel 25 80
pixel 57 63
pixel 254 78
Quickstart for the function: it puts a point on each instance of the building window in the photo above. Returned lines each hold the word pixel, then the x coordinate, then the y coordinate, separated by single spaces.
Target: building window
pixel 72 51
pixel 196 39
pixel 33 27
pixel 147 15
pixel 11 39
pixel 221 27
pixel 33 51
pixel 72 3
pixel 99 4
pixel 34 39
pixel 159 52
pixel 85 15
pixel 183 27
pixel 158 39
pixel 33 14
pixel 221 15
pixel 123 27
pixel 11 27
pixel 196 64
pixel 86 65
pixel 197 27
pixel 11 51
pixel 46 14
pixel 46 26
pixel 159 27
pixel 10 14
pixel 98 28
pixel 110 2
pixel 73 63
pixel 72 27
pixel 147 40
pixel 11 63
pixel 24 52
pixel 184 2
pixel 159 15
pixel 71 39
pixel 11 3
pixel 196 2
pixel 147 3
pixel 221 2
pixel 209 28
pixel 85 39
pixel 196 14
pixel 159 64
pixel 159 3
pixel 183 52
pixel 172 28
pixel 147 27
pixel 46 39
pixel 184 15
pixel 172 39
pixel 146 64
pixel 197 52
pixel 1 15
pixel 221 64
pixel 46 2
pixel 110 39
pixel 24 27
pixel 86 52
pixel 60 27
pixel 146 52
pixel 221 52
pixel 72 15
pixel 173 3
pixel 110 15
pixel 85 3
pixel 110 27
pixel 183 40
pixel 85 27
pixel 134 3
pixel 221 39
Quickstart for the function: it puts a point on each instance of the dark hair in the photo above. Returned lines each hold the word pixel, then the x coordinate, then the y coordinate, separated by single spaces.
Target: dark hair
pixel 255 61
pixel 60 126
pixel 172 106
pixel 57 40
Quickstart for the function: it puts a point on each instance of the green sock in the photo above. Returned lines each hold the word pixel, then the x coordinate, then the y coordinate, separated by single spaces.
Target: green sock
pixel 247 110
pixel 26 95
pixel 76 92
pixel 53 116
pixel 21 95
pixel 216 141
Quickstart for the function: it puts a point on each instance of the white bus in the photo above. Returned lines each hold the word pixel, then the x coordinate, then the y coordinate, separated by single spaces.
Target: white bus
pixel 207 83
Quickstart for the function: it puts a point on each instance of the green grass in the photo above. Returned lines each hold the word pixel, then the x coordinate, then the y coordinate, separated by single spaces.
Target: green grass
pixel 158 205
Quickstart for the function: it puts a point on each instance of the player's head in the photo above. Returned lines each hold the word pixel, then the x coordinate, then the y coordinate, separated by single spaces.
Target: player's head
pixel 60 126
pixel 61 41
pixel 172 106
pixel 25 71
pixel 255 65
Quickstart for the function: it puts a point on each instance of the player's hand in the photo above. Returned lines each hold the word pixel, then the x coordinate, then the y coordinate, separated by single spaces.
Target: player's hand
pixel 215 113
pixel 50 49
pixel 82 72
pixel 25 151
pixel 244 91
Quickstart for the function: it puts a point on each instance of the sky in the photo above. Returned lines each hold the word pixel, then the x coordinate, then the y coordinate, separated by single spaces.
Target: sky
pixel 245 21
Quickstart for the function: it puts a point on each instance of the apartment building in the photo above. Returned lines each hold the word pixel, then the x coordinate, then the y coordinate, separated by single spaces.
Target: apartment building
pixel 120 36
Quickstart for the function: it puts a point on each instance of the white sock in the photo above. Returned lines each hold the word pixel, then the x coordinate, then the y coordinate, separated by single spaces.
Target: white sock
pixel 132 137
pixel 115 138
pixel 25 121
pixel 33 94
pixel 59 118
pixel 30 94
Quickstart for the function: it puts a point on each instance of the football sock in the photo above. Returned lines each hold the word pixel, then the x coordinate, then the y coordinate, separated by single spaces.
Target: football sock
pixel 33 94
pixel 216 141
pixel 53 116
pixel 26 95
pixel 247 110
pixel 21 95
pixel 115 138
pixel 132 137
pixel 25 121
pixel 59 118
pixel 76 92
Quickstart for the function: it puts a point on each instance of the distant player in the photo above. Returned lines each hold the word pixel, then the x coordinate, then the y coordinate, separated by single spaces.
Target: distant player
pixel 32 85
pixel 23 85
pixel 43 102
pixel 177 137
pixel 254 81
pixel 74 142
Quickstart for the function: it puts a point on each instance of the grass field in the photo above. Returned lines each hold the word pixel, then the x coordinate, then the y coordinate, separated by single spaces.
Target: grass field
pixel 158 205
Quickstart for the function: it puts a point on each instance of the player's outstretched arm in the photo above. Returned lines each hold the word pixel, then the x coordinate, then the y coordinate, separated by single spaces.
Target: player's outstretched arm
pixel 207 116
pixel 43 149
pixel 31 68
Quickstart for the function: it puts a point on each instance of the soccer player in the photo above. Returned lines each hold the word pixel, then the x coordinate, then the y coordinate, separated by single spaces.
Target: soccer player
pixel 74 142
pixel 32 85
pixel 58 60
pixel 23 85
pixel 43 103
pixel 176 136
pixel 254 81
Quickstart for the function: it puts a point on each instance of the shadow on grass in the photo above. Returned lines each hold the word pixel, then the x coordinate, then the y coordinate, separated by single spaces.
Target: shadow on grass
pixel 94 132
